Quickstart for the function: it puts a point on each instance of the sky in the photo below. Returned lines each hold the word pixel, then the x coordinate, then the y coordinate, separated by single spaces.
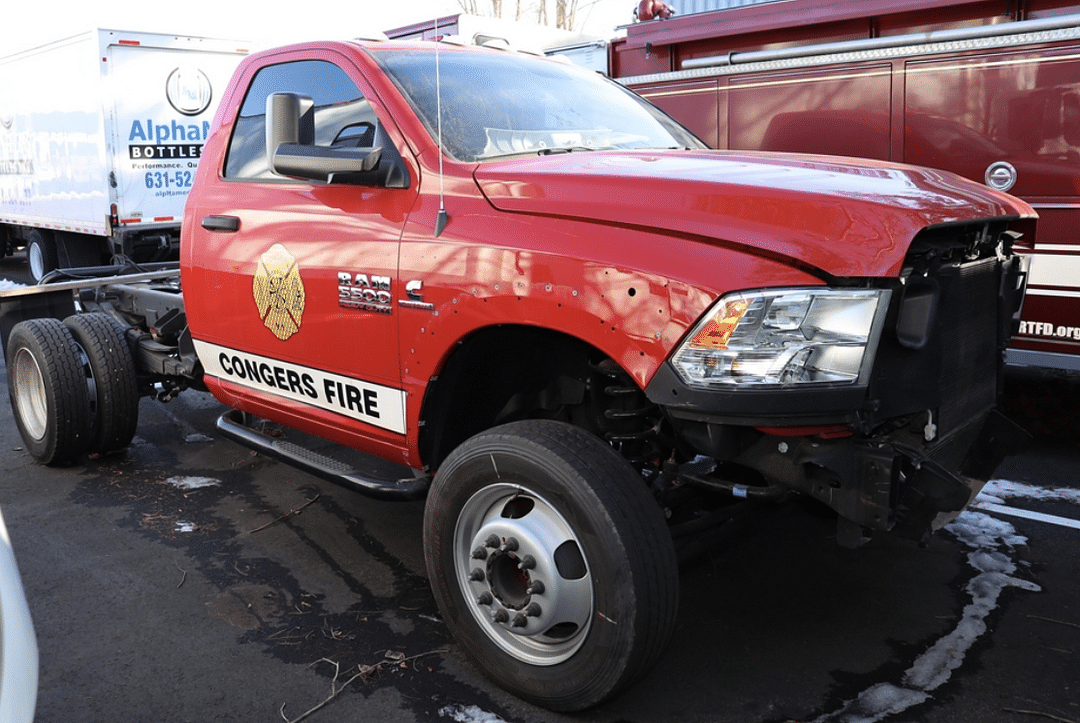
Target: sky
pixel 30 24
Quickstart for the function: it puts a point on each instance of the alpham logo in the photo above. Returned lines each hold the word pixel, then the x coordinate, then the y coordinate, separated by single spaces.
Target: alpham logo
pixel 188 91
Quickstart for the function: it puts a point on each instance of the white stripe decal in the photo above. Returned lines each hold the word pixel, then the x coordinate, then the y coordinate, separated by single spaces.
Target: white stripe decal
pixel 1054 270
pixel 1047 248
pixel 1026 514
pixel 373 404
pixel 1049 292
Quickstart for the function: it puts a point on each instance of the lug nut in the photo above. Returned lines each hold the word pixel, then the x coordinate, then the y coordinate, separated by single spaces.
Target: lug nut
pixel 479 553
pixel 510 545
pixel 535 588
pixel 500 616
pixel 477 575
pixel 527 563
pixel 520 621
pixel 492 541
pixel 484 599
pixel 533 611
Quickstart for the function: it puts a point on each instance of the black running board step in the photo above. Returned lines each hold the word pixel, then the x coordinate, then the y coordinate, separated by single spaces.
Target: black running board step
pixel 231 425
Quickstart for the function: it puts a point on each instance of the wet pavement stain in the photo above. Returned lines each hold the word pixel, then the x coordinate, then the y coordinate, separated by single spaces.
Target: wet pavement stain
pixel 387 632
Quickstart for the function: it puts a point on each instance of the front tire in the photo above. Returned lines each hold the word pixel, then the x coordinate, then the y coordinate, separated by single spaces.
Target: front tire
pixel 47 384
pixel 551 563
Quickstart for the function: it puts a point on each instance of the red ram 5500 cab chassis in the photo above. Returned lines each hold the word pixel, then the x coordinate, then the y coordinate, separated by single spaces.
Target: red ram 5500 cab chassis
pixel 565 318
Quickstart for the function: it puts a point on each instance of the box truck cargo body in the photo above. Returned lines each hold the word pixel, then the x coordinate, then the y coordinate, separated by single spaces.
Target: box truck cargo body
pixel 100 135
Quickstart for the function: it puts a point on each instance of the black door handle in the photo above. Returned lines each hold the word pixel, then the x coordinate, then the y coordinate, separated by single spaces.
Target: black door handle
pixel 221 223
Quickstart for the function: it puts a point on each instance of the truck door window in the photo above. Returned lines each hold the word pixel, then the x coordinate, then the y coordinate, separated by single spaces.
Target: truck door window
pixel 343 117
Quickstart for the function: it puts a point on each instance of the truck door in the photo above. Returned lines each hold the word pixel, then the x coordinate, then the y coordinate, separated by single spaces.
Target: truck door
pixel 294 288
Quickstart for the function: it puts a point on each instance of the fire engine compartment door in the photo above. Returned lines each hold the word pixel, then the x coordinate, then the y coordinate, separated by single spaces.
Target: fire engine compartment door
pixel 838 112
pixel 1021 107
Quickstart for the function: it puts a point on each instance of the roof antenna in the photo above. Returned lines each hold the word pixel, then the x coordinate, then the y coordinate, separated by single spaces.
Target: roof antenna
pixel 443 218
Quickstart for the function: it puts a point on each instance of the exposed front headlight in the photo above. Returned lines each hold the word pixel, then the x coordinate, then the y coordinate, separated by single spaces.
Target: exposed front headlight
pixel 784 337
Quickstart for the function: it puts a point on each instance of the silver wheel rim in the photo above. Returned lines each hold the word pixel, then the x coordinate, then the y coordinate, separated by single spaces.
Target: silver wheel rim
pixel 30 395
pixel 523 574
pixel 36 260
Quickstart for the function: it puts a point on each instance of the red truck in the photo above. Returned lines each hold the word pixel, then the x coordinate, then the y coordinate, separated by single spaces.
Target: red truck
pixel 987 89
pixel 579 332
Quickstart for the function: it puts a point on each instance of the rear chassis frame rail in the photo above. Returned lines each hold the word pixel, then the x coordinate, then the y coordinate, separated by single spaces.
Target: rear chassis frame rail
pixel 58 299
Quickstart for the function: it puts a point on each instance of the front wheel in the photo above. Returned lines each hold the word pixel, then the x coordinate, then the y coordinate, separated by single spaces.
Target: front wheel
pixel 551 563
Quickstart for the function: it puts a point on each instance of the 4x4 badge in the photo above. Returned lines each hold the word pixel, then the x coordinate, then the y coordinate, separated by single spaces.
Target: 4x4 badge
pixel 279 292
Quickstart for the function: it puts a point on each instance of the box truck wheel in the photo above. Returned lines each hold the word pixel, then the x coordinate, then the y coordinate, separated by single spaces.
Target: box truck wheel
pixel 551 563
pixel 113 386
pixel 41 254
pixel 47 384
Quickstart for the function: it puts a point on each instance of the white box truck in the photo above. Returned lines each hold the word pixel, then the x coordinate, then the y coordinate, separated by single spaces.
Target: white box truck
pixel 100 135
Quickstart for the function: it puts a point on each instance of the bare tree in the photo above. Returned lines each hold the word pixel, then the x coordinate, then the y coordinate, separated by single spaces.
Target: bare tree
pixel 566 14
pixel 565 11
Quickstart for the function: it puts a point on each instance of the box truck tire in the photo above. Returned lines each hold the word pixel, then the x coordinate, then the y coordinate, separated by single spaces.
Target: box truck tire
pixel 41 254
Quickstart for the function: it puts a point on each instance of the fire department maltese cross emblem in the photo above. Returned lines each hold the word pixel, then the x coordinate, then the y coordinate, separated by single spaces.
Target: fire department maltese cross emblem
pixel 279 292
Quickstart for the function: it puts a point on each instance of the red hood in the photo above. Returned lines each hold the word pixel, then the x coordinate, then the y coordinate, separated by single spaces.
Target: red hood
pixel 846 217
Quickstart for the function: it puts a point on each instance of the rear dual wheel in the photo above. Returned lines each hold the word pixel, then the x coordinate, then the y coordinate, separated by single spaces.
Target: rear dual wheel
pixel 112 386
pixel 551 563
pixel 47 385
pixel 73 386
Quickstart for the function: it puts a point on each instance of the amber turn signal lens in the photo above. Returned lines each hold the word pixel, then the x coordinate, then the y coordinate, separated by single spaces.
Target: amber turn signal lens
pixel 716 333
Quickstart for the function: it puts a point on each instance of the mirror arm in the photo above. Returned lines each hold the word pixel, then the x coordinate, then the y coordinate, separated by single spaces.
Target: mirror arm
pixel 318 163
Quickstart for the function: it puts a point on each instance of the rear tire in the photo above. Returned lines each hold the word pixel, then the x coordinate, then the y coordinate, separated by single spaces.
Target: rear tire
pixel 551 563
pixel 111 380
pixel 47 384
pixel 41 253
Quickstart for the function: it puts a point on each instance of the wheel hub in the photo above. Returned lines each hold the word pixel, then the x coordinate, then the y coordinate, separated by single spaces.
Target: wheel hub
pixel 508 579
pixel 523 569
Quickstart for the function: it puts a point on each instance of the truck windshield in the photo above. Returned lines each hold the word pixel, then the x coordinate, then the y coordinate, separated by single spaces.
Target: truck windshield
pixel 497 104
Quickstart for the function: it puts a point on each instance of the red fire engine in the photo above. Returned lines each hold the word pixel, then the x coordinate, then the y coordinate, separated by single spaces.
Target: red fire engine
pixel 989 90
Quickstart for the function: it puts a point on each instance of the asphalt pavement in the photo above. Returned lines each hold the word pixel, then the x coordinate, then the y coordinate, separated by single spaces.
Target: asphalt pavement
pixel 190 580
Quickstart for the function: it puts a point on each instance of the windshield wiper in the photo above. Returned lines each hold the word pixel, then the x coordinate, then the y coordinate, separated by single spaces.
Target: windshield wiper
pixel 564 149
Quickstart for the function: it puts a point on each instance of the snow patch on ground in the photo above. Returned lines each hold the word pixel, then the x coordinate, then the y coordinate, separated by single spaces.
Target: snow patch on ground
pixel 992 542
pixel 7 285
pixel 468 714
pixel 192 483
pixel 983 532
pixel 999 490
